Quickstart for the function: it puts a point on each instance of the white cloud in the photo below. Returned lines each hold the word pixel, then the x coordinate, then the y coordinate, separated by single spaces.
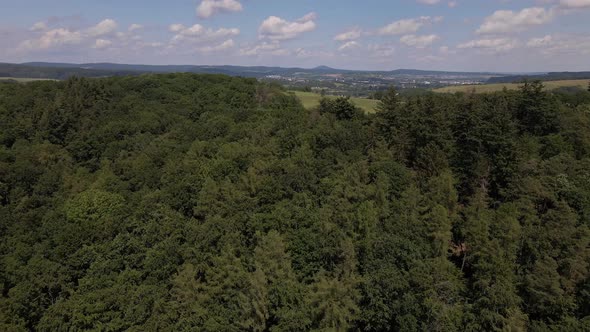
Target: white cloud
pixel 263 48
pixel 58 37
pixel 430 58
pixel 381 51
pixel 39 26
pixel 349 46
pixel 453 4
pixel 429 2
pixel 53 38
pixel 305 53
pixel 496 45
pixel 539 42
pixel 561 44
pixel 276 28
pixel 176 27
pixel 352 34
pixel 102 36
pixel 135 27
pixel 195 30
pixel 217 48
pixel 198 33
pixel 105 27
pixel 575 3
pixel 419 41
pixel 445 50
pixel 407 26
pixel 503 21
pixel 102 43
pixel 151 44
pixel 208 8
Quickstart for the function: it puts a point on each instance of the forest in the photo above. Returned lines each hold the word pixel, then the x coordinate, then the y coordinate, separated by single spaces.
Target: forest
pixel 184 202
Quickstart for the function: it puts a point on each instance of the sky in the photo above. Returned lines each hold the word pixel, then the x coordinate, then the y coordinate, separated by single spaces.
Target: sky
pixel 466 35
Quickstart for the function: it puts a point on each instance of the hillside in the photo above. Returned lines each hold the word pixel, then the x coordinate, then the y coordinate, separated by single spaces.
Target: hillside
pixel 554 76
pixel 183 202
pixel 57 72
pixel 486 88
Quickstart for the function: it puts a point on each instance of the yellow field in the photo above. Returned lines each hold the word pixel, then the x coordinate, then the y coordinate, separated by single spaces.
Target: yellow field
pixel 310 100
pixel 549 85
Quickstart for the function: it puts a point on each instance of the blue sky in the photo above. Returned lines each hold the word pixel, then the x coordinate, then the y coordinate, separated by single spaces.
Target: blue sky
pixel 494 35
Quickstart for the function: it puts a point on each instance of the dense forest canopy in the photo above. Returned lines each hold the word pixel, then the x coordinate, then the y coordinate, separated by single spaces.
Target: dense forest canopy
pixel 184 202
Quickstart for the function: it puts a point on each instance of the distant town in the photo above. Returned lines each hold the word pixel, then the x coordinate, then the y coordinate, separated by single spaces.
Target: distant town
pixel 361 84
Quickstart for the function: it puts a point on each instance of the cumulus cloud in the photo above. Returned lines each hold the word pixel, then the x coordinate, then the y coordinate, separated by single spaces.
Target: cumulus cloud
pixel 495 45
pixel 349 46
pixel 430 58
pixel 276 28
pixel 352 34
pixel 217 48
pixel 381 51
pixel 419 41
pixel 539 42
pixel 102 43
pixel 273 48
pixel 53 38
pixel 198 33
pixel 208 8
pixel 187 40
pixel 407 26
pixel 575 3
pixel 561 44
pixel 305 53
pixel 39 26
pixel 103 35
pixel 105 27
pixel 428 2
pixel 135 27
pixel 503 21
pixel 151 44
pixel 260 48
pixel 445 50
pixel 176 27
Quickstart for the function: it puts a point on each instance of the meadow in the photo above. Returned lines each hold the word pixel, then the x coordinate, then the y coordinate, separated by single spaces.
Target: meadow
pixel 310 100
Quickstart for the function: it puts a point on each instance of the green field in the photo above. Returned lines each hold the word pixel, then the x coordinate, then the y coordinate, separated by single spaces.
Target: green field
pixel 310 100
pixel 549 85
pixel 25 80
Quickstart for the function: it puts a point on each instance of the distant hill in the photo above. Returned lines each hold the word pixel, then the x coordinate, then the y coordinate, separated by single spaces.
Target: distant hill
pixel 554 76
pixel 417 72
pixel 254 71
pixel 324 68
pixel 57 71
pixel 62 70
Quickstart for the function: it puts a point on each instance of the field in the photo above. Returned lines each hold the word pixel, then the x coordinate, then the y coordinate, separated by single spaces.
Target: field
pixel 310 100
pixel 24 80
pixel 549 85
